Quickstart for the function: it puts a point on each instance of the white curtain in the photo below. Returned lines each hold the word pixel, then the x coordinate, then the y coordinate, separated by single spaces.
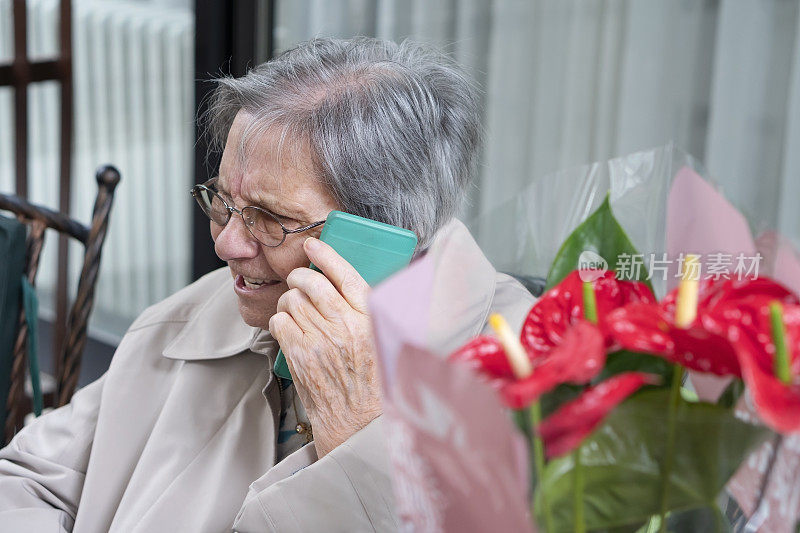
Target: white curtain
pixel 568 82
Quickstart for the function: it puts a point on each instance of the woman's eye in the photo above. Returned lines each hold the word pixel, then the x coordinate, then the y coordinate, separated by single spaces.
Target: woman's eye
pixel 281 218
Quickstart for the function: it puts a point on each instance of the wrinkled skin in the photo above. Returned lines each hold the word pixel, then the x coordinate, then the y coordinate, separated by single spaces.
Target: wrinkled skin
pixel 324 327
pixel 320 321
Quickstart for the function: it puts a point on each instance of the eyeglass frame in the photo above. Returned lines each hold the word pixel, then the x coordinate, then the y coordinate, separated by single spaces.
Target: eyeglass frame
pixel 194 191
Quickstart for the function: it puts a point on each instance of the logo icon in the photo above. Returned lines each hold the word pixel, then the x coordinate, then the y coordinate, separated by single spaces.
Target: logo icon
pixel 591 266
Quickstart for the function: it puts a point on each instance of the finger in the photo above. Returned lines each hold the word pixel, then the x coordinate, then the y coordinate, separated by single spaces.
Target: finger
pixel 326 299
pixel 298 305
pixel 344 277
pixel 285 330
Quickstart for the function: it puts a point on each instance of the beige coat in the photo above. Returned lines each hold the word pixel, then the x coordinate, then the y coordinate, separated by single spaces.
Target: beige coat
pixel 180 433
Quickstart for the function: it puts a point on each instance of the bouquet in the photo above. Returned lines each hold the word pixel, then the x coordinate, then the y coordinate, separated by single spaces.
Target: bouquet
pixel 609 432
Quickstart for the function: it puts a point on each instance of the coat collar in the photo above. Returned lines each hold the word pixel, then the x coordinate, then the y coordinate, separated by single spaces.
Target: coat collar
pixel 216 329
pixel 463 290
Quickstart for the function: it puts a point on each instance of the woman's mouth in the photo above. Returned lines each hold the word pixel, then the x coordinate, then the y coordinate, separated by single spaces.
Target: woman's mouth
pixel 249 285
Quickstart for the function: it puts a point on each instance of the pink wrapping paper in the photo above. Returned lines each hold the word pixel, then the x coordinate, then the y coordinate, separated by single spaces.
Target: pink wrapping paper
pixel 702 221
pixel 458 463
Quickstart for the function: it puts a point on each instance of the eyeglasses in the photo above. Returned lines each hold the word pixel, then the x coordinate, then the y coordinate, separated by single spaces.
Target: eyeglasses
pixel 262 225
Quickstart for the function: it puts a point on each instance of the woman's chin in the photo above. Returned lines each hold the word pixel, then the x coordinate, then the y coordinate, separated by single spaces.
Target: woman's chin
pixel 256 317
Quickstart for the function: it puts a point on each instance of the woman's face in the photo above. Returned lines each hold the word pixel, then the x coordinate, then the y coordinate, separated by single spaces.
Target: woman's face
pixel 283 185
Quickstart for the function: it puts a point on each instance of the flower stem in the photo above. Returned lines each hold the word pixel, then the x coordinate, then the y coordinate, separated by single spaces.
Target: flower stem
pixel 577 491
pixel 669 453
pixel 782 356
pixel 538 456
pixel 590 314
pixel 589 302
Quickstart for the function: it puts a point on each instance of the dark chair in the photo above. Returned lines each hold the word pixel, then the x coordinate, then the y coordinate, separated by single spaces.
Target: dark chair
pixel 68 356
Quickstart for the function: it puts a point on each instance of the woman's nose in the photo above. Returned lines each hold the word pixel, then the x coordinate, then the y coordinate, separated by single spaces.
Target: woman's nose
pixel 234 241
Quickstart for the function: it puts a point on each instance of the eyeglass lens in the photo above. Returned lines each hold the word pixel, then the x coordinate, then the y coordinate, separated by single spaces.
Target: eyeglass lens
pixel 261 225
pixel 213 206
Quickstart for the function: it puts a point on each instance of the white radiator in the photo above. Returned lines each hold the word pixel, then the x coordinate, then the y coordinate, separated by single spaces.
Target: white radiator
pixel 134 108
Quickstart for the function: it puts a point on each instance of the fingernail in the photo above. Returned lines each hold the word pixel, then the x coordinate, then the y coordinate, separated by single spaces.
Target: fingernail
pixel 311 243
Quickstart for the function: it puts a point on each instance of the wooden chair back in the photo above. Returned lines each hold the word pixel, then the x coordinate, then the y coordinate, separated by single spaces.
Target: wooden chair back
pixel 68 356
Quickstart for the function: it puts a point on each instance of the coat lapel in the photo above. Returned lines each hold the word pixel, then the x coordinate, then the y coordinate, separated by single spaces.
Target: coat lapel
pixel 216 329
pixel 183 408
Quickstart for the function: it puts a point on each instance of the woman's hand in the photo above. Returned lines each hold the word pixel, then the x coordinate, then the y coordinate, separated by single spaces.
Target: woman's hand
pixel 324 328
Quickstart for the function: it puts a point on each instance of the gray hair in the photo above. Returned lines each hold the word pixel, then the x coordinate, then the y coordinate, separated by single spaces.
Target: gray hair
pixel 393 129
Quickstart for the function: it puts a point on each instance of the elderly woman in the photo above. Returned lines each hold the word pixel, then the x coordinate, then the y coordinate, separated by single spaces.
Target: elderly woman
pixel 190 429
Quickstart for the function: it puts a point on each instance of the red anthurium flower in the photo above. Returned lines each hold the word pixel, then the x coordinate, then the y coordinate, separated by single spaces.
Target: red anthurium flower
pixel 706 344
pixel 562 306
pixel 777 403
pixel 577 359
pixel 565 429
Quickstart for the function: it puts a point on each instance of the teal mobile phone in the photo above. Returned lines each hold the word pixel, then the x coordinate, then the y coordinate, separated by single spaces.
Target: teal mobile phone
pixel 376 250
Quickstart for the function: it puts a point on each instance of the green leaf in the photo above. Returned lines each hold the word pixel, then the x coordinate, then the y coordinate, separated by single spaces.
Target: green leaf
pixel 522 421
pixel 601 234
pixel 625 361
pixel 622 462
pixel 559 396
pixel 699 519
pixel 631 528
pixel 635 528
